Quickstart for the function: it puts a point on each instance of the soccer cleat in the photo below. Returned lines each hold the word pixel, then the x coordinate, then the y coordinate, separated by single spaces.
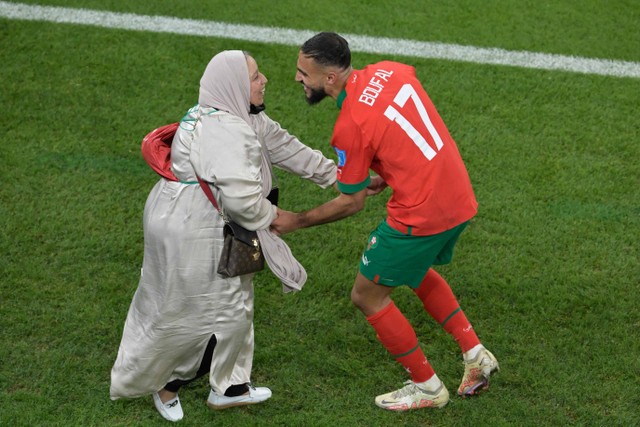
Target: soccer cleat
pixel 477 372
pixel 170 410
pixel 413 397
pixel 255 395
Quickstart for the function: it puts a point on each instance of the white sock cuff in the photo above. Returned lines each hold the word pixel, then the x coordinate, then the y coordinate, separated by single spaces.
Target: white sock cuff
pixel 431 384
pixel 472 353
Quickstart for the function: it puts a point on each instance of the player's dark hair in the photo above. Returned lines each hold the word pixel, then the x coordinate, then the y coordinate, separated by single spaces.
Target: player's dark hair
pixel 328 48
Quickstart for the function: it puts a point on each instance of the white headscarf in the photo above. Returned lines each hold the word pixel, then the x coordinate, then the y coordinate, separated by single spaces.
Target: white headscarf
pixel 225 86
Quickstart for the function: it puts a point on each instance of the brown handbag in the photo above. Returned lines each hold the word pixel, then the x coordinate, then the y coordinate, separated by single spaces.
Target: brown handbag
pixel 241 252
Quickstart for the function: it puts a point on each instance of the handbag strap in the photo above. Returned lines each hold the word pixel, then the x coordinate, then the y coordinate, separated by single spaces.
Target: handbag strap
pixel 207 190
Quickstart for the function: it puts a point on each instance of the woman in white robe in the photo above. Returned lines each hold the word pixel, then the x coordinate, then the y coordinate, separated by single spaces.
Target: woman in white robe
pixel 185 320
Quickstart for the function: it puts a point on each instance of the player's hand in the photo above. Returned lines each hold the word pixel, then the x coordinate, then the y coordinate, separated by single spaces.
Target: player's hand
pixel 376 185
pixel 285 222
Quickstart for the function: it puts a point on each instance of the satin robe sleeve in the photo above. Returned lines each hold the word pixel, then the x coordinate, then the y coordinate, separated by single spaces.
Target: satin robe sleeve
pixel 288 153
pixel 226 151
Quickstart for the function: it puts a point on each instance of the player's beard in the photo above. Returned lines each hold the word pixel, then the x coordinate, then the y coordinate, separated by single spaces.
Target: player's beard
pixel 317 95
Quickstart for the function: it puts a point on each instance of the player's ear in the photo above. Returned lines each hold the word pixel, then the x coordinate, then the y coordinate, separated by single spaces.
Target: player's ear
pixel 332 77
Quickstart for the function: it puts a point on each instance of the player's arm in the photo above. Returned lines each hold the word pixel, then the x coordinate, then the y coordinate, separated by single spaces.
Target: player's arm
pixel 338 208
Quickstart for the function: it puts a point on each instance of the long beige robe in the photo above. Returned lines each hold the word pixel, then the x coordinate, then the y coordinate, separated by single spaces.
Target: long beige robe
pixel 181 301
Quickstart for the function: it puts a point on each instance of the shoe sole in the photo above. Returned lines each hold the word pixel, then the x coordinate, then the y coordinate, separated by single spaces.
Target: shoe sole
pixel 476 388
pixel 230 405
pixel 404 408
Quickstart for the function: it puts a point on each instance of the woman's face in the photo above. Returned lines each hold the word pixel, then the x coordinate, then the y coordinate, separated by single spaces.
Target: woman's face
pixel 258 82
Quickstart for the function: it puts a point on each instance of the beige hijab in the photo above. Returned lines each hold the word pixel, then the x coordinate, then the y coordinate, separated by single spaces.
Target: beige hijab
pixel 225 86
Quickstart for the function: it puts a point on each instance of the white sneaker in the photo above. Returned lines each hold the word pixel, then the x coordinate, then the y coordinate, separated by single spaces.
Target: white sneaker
pixel 255 395
pixel 170 410
pixel 413 397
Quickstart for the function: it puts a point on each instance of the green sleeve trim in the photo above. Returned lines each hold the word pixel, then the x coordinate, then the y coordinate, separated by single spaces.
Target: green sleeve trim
pixel 353 188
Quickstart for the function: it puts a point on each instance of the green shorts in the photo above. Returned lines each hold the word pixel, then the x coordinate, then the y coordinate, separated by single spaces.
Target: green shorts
pixel 394 259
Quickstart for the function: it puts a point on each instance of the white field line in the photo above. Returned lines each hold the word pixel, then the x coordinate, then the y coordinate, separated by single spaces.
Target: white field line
pixel 358 43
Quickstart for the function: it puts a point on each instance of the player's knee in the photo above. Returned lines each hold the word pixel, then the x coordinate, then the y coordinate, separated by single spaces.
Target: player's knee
pixel 367 303
pixel 358 299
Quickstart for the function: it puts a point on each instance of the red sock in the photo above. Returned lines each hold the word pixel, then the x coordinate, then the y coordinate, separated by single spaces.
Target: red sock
pixel 442 305
pixel 398 337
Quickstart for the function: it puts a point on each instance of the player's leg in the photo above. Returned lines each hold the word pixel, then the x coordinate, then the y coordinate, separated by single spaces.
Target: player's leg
pixel 442 305
pixel 440 302
pixel 397 335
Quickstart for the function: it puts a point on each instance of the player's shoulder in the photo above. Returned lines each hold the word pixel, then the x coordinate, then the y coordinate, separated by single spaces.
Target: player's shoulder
pixel 389 66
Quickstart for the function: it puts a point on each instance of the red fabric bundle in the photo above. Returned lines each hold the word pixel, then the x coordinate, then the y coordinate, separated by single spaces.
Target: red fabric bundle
pixel 156 150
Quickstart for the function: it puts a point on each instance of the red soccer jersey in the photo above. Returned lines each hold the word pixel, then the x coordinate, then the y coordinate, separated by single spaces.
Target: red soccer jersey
pixel 387 123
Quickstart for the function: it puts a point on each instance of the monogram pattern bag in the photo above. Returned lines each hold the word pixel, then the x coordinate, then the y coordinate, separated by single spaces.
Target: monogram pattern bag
pixel 241 252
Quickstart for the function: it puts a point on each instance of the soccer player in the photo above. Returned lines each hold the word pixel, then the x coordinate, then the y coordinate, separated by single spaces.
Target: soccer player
pixel 388 124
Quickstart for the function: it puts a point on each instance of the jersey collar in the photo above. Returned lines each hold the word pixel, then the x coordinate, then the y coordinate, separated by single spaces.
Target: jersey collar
pixel 341 98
